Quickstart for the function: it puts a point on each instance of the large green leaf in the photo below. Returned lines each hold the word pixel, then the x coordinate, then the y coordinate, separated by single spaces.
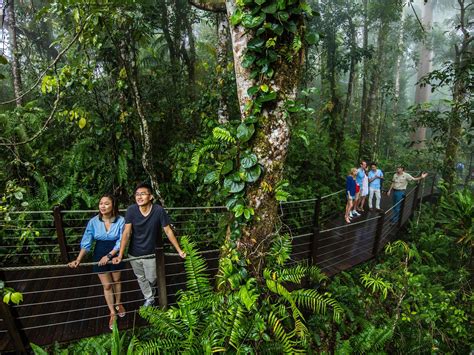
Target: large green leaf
pixel 233 186
pixel 252 174
pixel 248 161
pixel 250 21
pixel 245 132
pixel 227 167
pixel 236 17
pixel 256 44
pixel 211 177
pixel 270 9
pixel 248 60
pixel 3 60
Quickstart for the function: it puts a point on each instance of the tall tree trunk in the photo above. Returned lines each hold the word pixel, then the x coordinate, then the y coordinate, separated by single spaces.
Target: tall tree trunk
pixel 422 92
pixel 128 57
pixel 222 63
pixel 333 108
pixel 460 109
pixel 368 137
pixel 400 41
pixel 270 144
pixel 364 119
pixel 352 71
pixel 16 71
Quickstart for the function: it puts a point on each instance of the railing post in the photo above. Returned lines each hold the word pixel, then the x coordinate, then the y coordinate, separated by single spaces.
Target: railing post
pixel 61 234
pixel 415 199
pixel 161 273
pixel 402 210
pixel 378 234
pixel 316 229
pixel 10 317
pixel 433 184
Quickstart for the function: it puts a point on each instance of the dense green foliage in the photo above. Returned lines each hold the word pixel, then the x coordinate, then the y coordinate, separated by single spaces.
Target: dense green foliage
pixel 417 298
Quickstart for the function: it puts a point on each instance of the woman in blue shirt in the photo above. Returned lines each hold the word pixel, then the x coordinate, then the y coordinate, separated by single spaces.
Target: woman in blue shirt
pixel 106 230
pixel 350 193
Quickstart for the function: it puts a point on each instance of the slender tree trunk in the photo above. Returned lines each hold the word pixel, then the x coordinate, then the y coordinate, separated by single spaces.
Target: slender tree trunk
pixel 462 62
pixel 422 93
pixel 364 119
pixel 16 71
pixel 400 50
pixel 336 128
pixel 222 63
pixel 270 144
pixel 368 138
pixel 127 54
pixel 352 71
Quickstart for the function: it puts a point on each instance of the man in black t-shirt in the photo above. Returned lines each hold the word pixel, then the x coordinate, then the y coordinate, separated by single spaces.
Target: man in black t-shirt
pixel 143 223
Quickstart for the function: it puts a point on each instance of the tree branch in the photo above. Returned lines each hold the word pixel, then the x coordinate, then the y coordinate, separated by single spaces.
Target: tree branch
pixel 209 5
pixel 53 63
pixel 9 143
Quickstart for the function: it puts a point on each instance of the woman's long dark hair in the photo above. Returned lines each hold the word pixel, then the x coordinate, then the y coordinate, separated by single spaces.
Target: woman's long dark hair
pixel 112 198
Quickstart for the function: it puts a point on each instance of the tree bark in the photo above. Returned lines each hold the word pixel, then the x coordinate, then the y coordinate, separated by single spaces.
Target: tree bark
pixel 16 71
pixel 422 92
pixel 366 149
pixel 460 111
pixel 364 120
pixel 127 54
pixel 399 61
pixel 222 63
pixel 352 71
pixel 270 144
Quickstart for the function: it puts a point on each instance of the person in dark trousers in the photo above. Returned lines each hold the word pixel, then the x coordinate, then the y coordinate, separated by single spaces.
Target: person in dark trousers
pixel 144 221
pixel 350 194
pixel 106 230
pixel 399 185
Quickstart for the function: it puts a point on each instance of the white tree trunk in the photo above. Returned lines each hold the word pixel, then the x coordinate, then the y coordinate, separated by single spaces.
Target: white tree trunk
pixel 422 93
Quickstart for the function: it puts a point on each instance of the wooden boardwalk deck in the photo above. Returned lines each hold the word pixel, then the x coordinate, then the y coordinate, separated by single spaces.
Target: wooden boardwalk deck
pixel 61 304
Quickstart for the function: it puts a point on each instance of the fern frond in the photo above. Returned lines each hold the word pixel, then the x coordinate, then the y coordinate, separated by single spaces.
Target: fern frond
pixel 159 345
pixel 163 321
pixel 280 334
pixel 280 250
pixel 313 300
pixel 197 280
pixel 223 135
pixel 234 326
pixel 371 339
pixel 376 283
pixel 199 152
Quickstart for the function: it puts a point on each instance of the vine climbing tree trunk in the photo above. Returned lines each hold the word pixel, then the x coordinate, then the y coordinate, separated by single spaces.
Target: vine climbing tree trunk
pixel 16 71
pixel 270 144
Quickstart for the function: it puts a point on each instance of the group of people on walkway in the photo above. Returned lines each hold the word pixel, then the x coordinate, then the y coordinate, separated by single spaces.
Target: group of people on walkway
pixel 362 182
pixel 111 232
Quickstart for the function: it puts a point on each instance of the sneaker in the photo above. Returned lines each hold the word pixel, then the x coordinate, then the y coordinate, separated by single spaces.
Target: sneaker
pixel 356 214
pixel 149 302
pixel 379 210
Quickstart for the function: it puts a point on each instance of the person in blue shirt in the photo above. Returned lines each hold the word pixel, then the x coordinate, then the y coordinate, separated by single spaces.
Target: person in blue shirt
pixel 106 230
pixel 360 200
pixel 350 193
pixel 375 178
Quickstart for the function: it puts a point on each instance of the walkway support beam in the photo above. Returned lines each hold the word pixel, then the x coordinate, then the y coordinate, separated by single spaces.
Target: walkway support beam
pixel 61 234
pixel 378 234
pixel 161 274
pixel 10 318
pixel 316 230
